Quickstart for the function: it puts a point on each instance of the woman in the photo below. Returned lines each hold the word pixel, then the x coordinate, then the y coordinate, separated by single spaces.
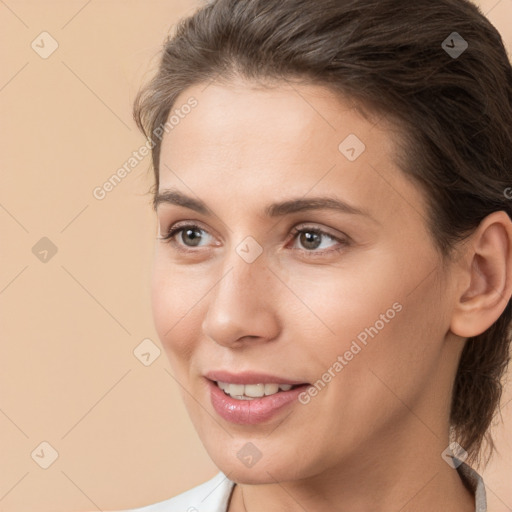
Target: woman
pixel 333 274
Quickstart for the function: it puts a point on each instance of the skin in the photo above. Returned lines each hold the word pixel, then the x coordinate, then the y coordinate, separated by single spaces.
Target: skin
pixel 373 438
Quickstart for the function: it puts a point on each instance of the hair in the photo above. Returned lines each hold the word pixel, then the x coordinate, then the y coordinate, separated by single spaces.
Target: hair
pixel 454 114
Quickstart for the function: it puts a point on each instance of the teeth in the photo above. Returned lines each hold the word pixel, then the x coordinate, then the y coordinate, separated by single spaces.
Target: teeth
pixel 234 389
pixel 251 391
pixel 270 389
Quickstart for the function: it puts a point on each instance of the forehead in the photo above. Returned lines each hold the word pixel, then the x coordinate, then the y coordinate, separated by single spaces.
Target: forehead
pixel 284 116
pixel 287 139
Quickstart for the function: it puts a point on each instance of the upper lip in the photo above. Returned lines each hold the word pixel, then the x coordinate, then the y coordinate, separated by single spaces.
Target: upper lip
pixel 249 377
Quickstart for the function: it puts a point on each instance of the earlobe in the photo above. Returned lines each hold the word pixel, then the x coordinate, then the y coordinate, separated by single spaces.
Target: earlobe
pixel 488 270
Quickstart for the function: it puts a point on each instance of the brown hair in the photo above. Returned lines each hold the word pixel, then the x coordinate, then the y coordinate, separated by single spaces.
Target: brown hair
pixel 454 110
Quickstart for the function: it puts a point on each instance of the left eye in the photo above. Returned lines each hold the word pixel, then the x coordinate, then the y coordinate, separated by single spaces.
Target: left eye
pixel 311 238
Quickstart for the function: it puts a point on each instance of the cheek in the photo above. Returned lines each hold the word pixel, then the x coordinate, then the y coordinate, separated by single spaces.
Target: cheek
pixel 176 304
pixel 367 314
pixel 343 301
pixel 390 360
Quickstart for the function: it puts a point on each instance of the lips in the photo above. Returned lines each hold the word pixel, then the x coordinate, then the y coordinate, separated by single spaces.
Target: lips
pixel 250 378
pixel 245 409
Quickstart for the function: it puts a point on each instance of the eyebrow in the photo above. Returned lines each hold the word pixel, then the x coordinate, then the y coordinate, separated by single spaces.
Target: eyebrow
pixel 173 196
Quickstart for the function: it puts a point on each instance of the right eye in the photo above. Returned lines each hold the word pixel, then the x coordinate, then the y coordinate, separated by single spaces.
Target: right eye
pixel 189 233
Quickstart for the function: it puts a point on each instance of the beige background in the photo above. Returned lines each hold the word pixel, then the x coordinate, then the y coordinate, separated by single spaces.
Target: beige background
pixel 70 325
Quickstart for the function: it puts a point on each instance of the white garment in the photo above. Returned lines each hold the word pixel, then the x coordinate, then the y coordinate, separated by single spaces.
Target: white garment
pixel 213 495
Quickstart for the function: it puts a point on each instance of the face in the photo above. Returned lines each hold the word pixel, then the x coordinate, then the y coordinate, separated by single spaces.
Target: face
pixel 301 258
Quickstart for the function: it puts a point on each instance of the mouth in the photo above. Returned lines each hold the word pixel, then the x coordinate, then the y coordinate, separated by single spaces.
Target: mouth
pixel 251 398
pixel 254 391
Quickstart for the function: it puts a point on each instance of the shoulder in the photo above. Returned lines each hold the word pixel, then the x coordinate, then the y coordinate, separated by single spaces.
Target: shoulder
pixel 210 496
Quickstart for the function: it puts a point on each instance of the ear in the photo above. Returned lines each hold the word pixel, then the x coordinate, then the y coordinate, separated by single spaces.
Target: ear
pixel 486 276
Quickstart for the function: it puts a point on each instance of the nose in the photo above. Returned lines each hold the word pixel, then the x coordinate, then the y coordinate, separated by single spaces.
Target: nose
pixel 243 307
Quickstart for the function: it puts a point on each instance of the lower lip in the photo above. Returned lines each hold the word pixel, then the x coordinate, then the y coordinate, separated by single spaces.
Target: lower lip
pixel 250 412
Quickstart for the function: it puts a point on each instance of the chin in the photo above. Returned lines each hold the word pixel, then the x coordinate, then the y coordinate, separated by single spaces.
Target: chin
pixel 268 469
pixel 258 474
